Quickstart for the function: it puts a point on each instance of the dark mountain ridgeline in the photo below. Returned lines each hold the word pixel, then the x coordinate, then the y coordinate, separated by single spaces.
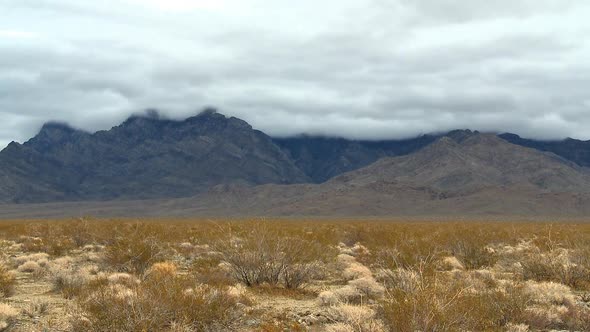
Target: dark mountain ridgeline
pixel 149 157
pixel 475 174
pixel 322 158
pixel 145 157
pixel 571 149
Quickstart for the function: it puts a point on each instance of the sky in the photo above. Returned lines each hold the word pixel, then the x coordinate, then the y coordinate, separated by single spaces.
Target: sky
pixel 363 69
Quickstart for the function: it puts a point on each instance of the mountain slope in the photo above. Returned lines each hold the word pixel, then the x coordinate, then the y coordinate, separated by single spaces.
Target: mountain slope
pixel 148 157
pixel 461 174
pixel 145 157
pixel 322 158
pixel 478 174
pixel 572 149
pixel 477 162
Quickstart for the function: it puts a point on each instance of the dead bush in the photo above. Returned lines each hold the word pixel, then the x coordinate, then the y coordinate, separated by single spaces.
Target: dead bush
pixel 473 254
pixel 569 267
pixel 7 281
pixel 416 301
pixel 52 242
pixel 161 271
pixel 134 248
pixel 367 286
pixel 157 304
pixel 36 309
pixel 39 257
pixel 354 318
pixel 30 267
pixel 263 255
pixel 69 279
pixel 211 271
pixel 7 316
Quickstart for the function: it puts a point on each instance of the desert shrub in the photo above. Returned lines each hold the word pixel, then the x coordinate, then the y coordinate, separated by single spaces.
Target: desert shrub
pixel 328 298
pixel 356 271
pixel 549 293
pixel 554 306
pixel 297 275
pixel 39 257
pixel 263 255
pixel 36 308
pixel 124 279
pixel 393 259
pixel 450 263
pixel 211 271
pixel 407 281
pixel 68 278
pixel 417 301
pixel 473 254
pixel 7 316
pixel 368 287
pixel 157 304
pixel 30 267
pixel 32 244
pixel 59 245
pixel 361 286
pixel 7 281
pixel 578 318
pixel 568 267
pixel 354 318
pixel 342 295
pixel 134 248
pixel 52 239
pixel 491 309
pixel 576 274
pixel 79 232
pixel 161 271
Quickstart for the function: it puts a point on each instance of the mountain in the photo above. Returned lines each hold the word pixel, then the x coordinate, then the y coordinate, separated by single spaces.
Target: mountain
pixel 572 149
pixel 462 174
pixel 322 158
pixel 213 164
pixel 145 157
pixel 477 174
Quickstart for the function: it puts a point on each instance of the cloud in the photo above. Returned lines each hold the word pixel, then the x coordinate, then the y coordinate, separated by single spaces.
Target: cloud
pixel 367 69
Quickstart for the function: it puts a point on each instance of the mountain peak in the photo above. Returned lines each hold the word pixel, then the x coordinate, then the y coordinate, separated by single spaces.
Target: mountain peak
pixel 208 113
pixel 55 126
pixel 149 115
pixel 444 142
pixel 461 135
pixel 212 118
pixel 11 147
pixel 53 134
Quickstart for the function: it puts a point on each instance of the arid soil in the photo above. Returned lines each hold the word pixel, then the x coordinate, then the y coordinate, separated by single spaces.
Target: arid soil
pixel 279 275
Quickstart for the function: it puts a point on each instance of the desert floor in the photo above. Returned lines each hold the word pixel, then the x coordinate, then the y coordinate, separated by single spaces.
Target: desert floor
pixel 293 275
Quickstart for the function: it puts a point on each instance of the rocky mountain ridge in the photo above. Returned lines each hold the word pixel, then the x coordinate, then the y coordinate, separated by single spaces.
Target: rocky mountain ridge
pixel 148 157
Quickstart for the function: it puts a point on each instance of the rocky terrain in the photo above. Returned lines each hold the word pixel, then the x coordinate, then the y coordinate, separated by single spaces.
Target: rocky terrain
pixel 145 157
pixel 214 165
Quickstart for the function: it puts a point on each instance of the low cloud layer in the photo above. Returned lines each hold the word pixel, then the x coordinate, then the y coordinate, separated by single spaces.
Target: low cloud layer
pixel 368 69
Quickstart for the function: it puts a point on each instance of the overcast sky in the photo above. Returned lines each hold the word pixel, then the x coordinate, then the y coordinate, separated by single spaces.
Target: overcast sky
pixel 354 68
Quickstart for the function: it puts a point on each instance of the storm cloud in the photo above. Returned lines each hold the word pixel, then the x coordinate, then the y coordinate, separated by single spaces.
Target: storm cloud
pixel 369 69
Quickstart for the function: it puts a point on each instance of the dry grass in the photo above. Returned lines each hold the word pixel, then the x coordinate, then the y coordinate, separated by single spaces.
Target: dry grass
pixel 433 303
pixel 134 248
pixel 177 275
pixel 7 281
pixel 163 302
pixel 7 316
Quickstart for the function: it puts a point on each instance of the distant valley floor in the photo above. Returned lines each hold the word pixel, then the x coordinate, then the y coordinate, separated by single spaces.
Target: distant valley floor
pixel 195 207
